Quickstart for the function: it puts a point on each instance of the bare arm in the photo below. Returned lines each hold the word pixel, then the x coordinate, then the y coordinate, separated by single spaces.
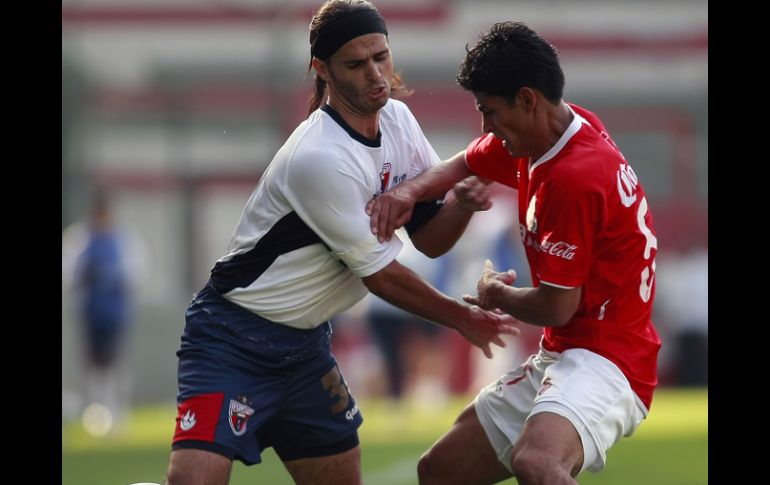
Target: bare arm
pixel 544 306
pixel 403 288
pixel 393 209
pixel 441 233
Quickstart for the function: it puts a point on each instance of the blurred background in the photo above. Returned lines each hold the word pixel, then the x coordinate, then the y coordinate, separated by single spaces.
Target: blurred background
pixel 171 110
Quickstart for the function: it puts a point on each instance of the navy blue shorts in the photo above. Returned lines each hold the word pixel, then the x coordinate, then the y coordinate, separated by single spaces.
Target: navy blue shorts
pixel 246 383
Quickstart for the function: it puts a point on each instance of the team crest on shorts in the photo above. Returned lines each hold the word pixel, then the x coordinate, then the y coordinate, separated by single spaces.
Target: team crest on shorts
pixel 239 413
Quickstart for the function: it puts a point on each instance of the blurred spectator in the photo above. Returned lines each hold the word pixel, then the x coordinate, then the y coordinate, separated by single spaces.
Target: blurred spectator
pixel 100 263
pixel 682 300
pixel 408 343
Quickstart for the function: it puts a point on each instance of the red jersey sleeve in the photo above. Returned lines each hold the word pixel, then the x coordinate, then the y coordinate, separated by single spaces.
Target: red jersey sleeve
pixel 487 157
pixel 569 214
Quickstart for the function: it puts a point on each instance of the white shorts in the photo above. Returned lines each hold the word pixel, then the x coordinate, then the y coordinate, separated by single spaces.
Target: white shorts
pixel 584 387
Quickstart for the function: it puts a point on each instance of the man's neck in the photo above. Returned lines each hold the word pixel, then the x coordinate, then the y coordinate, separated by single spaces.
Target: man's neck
pixel 552 122
pixel 368 125
pixel 558 120
pixel 560 117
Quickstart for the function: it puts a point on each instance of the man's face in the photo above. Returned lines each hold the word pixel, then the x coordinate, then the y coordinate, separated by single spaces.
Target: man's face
pixel 360 72
pixel 507 121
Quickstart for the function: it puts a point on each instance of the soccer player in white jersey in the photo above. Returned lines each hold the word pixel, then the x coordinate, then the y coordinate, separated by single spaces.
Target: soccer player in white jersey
pixel 591 246
pixel 255 367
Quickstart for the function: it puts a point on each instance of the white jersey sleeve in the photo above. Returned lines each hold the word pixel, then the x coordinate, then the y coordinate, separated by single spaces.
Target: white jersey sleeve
pixel 330 196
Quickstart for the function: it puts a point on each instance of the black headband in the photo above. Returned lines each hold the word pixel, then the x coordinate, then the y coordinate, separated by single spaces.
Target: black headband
pixel 336 33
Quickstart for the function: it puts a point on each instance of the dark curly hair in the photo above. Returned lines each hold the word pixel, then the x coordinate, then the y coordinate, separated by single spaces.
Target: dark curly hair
pixel 508 57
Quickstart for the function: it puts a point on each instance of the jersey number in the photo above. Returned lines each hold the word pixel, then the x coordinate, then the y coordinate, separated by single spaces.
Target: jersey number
pixel 332 381
pixel 648 273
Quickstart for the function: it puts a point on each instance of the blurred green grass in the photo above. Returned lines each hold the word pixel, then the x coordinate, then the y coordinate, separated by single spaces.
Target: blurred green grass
pixel 670 448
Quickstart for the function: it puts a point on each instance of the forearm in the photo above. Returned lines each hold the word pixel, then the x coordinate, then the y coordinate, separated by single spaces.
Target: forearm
pixel 435 182
pixel 441 233
pixel 393 208
pixel 542 306
pixel 403 288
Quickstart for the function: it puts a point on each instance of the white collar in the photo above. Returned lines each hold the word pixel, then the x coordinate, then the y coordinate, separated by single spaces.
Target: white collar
pixel 574 126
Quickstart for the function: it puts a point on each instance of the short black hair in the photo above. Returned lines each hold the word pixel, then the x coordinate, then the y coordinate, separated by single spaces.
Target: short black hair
pixel 506 58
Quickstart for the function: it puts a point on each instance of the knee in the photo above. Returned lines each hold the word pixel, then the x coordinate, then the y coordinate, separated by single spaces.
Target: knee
pixel 173 477
pixel 428 471
pixel 530 466
pixel 177 475
pixel 197 467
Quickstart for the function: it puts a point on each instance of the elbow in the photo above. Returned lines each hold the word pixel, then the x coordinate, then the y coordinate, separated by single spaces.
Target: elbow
pixel 561 316
pixel 432 251
pixel 559 320
pixel 375 283
pixel 383 281
pixel 559 305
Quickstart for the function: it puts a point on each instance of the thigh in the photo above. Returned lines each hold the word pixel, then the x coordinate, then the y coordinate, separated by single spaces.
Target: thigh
pixel 503 406
pixel 341 468
pixel 315 433
pixel 198 467
pixel 464 455
pixel 592 394
pixel 552 440
pixel 319 416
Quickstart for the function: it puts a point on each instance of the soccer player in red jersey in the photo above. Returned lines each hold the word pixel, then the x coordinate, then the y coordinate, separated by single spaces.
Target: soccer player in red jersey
pixel 591 247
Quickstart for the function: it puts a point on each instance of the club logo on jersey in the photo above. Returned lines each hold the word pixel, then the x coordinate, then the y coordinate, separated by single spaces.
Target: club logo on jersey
pixel 561 249
pixel 531 219
pixel 187 421
pixel 384 176
pixel 627 183
pixel 239 413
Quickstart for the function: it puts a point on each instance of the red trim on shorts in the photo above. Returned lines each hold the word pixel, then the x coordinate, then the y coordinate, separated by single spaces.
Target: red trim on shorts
pixel 198 416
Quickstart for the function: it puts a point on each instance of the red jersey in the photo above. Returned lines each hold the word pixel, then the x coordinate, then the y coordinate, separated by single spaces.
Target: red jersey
pixel 584 221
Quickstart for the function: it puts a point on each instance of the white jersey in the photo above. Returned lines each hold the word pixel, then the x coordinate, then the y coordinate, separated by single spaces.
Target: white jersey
pixel 303 241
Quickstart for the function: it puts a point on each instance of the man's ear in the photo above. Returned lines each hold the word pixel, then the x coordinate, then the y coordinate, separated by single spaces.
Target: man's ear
pixel 527 97
pixel 321 69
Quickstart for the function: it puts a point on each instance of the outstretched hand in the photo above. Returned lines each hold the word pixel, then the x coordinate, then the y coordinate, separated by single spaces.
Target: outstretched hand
pixel 484 288
pixel 389 211
pixel 504 323
pixel 486 327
